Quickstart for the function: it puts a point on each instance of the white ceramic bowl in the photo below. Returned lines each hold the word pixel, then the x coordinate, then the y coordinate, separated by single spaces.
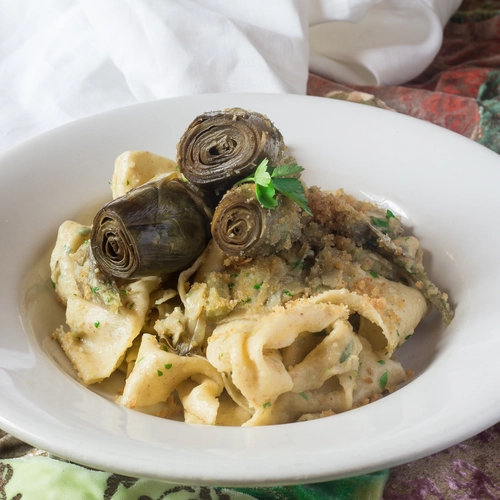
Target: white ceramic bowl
pixel 445 188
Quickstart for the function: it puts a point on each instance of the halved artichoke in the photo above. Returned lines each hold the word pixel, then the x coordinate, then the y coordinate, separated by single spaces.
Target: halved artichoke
pixel 222 147
pixel 242 226
pixel 153 230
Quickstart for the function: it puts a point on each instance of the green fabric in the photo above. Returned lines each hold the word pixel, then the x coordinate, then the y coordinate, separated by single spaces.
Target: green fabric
pixel 489 105
pixel 43 478
pixel 365 487
pixel 473 11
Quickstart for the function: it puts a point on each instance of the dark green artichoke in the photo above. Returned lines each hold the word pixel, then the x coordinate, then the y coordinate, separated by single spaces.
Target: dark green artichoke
pixel 155 229
pixel 221 147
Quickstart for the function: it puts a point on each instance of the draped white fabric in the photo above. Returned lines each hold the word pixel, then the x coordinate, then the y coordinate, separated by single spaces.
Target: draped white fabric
pixel 61 60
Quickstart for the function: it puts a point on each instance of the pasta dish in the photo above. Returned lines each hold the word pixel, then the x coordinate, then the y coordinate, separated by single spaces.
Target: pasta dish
pixel 227 292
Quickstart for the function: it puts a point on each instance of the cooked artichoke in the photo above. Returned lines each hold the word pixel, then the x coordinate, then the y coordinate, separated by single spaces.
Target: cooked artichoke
pixel 242 226
pixel 222 147
pixel 368 226
pixel 153 230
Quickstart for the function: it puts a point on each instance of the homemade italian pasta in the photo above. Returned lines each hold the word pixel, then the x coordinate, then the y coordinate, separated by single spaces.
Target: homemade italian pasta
pixel 303 326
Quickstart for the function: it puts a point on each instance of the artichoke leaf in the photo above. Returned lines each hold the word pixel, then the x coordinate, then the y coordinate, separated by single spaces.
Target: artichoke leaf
pixel 221 147
pixel 155 229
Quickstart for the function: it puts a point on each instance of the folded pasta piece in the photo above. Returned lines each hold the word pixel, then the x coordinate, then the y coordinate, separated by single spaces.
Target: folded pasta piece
pixel 376 373
pixel 70 237
pixel 134 168
pixel 389 311
pixel 334 396
pixel 337 353
pixel 98 338
pixel 157 373
pixel 103 321
pixel 248 349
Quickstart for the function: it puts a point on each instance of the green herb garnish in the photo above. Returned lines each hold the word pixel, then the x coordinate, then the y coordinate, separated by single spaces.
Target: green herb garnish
pixel 379 222
pixel 304 395
pixel 257 286
pixel 266 405
pixel 269 179
pixel 97 323
pixel 347 351
pixel 168 366
pixel 159 372
pixel 383 380
pixel 374 274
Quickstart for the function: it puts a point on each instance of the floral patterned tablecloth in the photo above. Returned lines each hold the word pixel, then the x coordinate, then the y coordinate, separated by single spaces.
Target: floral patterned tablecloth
pixel 460 91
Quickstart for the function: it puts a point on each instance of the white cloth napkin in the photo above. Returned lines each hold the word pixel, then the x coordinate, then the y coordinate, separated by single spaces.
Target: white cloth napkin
pixel 376 42
pixel 61 60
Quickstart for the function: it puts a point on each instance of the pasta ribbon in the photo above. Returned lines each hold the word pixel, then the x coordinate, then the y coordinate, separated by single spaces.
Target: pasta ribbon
pixel 157 373
pixel 248 349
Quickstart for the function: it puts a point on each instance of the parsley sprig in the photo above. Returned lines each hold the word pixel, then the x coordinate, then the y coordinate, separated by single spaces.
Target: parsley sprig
pixel 269 180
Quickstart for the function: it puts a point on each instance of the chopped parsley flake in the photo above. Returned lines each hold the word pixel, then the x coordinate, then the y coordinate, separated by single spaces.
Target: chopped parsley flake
pixel 97 323
pixel 381 362
pixel 374 274
pixel 257 286
pixel 347 351
pixel 304 395
pixel 379 222
pixel 94 289
pixel 168 366
pixel 408 336
pixel 287 292
pixel 266 405
pixel 159 372
pixel 383 380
